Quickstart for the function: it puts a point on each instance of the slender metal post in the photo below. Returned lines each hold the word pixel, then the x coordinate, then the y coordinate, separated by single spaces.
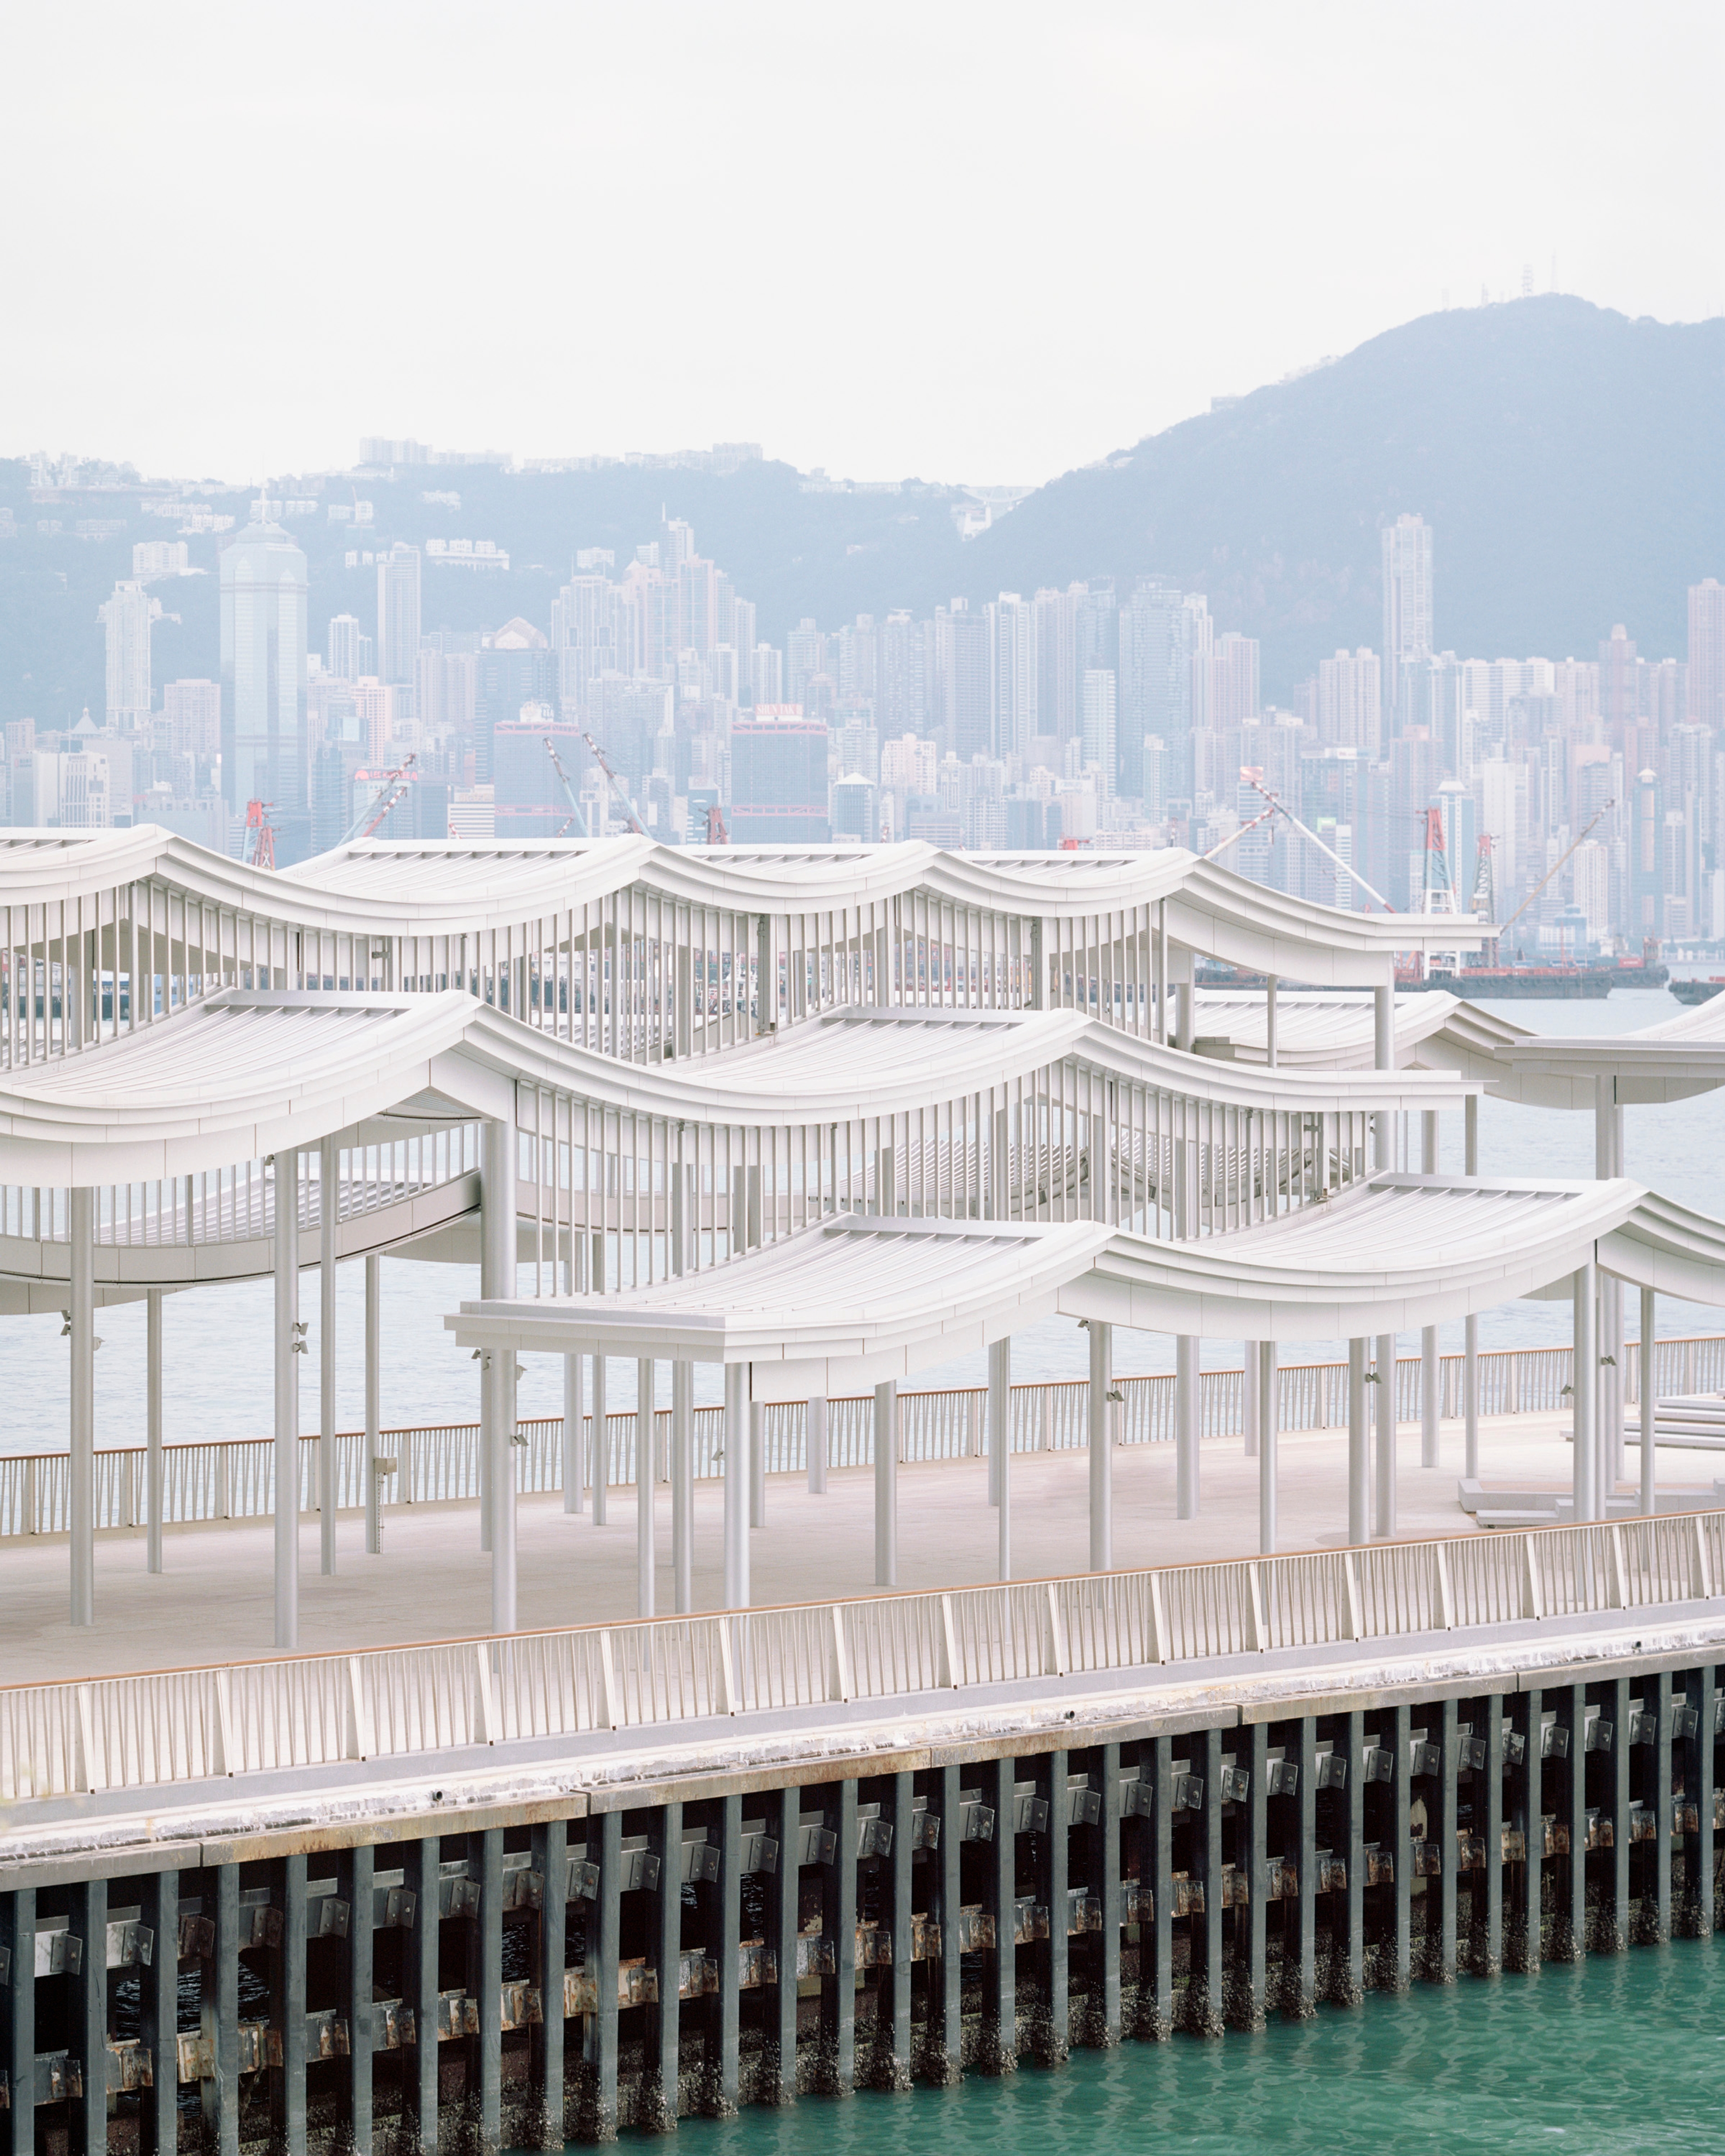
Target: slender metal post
pixel 757 1464
pixel 1650 1400
pixel 158 2017
pixel 1385 1521
pixel 1359 1456
pixel 152 1393
pixel 287 1399
pixel 572 1434
pixel 816 1426
pixel 683 1483
pixel 1266 1448
pixel 1430 1379
pixel 599 1440
pixel 1585 1361
pixel 17 2005
pixel 1248 1400
pixel 1384 1058
pixel 374 1410
pixel 497 1200
pixel 358 1877
pixel 1470 1395
pixel 81 1465
pixel 1000 1446
pixel 737 1486
pixel 886 1484
pixel 87 2113
pixel 329 1170
pixel 644 1492
pixel 1269 1021
pixel 1186 1477
pixel 1102 1448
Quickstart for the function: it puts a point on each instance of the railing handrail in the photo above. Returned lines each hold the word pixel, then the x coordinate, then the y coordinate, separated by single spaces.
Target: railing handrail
pixel 149 1730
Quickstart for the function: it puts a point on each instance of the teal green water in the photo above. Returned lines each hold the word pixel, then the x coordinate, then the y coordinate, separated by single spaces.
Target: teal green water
pixel 1621 2055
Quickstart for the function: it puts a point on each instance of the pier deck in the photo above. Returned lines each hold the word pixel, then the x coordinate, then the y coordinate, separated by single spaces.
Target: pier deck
pixel 213 1601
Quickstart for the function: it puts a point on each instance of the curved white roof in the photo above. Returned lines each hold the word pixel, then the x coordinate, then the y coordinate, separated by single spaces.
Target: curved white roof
pixel 242 1073
pixel 453 888
pixel 1673 1060
pixel 1318 1030
pixel 859 1298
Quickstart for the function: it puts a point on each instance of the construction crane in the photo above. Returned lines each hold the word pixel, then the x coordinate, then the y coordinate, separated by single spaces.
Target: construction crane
pixel 259 851
pixel 1553 870
pixel 1254 779
pixel 576 813
pixel 628 807
pixel 395 784
pixel 717 833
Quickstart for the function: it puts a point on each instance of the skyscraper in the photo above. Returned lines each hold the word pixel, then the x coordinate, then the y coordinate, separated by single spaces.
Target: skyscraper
pixel 263 730
pixel 1408 630
pixel 1350 711
pixel 126 617
pixel 1155 682
pixel 399 616
pixel 1707 654
pixel 1012 626
pixel 344 643
pixel 1098 705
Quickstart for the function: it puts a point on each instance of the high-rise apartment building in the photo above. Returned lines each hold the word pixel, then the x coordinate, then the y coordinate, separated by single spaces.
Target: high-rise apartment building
pixel 1350 708
pixel 1012 635
pixel 1156 631
pixel 1618 688
pixel 126 617
pixel 193 713
pixel 399 616
pixel 1099 712
pixel 264 746
pixel 1057 670
pixel 343 653
pixel 1234 700
pixel 1707 654
pixel 1409 636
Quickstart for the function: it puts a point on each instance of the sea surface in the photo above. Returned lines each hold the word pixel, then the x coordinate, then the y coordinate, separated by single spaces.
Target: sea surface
pixel 1616 2056
pixel 216 1359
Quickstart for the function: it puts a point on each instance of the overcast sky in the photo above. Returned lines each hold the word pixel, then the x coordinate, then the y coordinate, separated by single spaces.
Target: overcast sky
pixel 966 242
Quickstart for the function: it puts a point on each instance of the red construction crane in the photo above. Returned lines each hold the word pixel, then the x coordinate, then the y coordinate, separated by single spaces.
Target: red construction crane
pixel 717 833
pixel 260 839
pixel 395 784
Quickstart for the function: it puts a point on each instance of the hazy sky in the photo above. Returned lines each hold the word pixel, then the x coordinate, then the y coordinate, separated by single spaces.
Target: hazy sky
pixel 971 242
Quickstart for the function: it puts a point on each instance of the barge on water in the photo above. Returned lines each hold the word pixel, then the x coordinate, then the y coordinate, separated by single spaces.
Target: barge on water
pixel 504 1891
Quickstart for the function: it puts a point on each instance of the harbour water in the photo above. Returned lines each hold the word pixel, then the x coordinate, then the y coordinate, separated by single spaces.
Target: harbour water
pixel 216 1369
pixel 1618 2056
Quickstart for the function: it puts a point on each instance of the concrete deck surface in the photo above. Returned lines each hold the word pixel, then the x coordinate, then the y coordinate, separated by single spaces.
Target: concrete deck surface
pixel 214 1600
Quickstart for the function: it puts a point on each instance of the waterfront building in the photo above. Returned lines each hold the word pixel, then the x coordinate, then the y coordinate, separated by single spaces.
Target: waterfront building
pixel 817 1121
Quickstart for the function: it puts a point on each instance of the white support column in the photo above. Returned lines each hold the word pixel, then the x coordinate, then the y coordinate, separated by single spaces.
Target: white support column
pixel 374 1408
pixel 1265 1352
pixel 329 1171
pixel 1650 1400
pixel 683 1484
pixel 1430 1370
pixel 1186 1480
pixel 886 1484
pixel 498 1230
pixel 816 1445
pixel 1384 1523
pixel 1248 1400
pixel 644 1488
pixel 1359 1447
pixel 81 1208
pixel 598 1450
pixel 288 1344
pixel 1000 1446
pixel 757 1464
pixel 1608 1166
pixel 737 1485
pixel 1384 1058
pixel 1584 1395
pixel 1470 1326
pixel 1102 1446
pixel 1269 1021
pixel 153 1428
pixel 573 1449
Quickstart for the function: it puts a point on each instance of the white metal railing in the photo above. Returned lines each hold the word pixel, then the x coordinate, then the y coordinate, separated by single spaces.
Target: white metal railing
pixel 151 1730
pixel 234 1479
